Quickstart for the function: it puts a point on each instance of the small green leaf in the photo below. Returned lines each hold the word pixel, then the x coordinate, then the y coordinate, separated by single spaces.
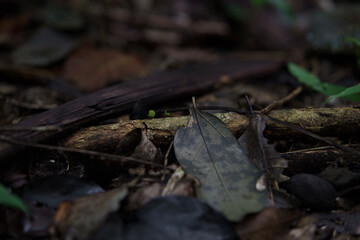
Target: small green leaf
pixel 347 92
pixel 166 113
pixel 354 41
pixel 314 82
pixel 305 77
pixel 151 113
pixel 10 200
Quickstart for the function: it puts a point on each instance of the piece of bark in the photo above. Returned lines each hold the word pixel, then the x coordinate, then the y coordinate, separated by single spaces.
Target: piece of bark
pixel 336 122
pixel 112 101
pixel 314 160
pixel 331 122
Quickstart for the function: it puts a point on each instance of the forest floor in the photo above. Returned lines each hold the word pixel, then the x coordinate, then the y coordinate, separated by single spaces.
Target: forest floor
pixel 179 119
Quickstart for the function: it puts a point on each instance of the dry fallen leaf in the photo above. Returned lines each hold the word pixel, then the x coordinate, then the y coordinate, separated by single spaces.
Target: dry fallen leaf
pixel 207 149
pixel 93 69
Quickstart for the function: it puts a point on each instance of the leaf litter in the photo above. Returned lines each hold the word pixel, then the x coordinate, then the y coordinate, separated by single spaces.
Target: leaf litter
pixel 316 229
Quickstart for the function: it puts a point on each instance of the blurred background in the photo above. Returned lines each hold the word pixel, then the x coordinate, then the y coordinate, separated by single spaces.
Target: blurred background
pixel 219 51
pixel 54 51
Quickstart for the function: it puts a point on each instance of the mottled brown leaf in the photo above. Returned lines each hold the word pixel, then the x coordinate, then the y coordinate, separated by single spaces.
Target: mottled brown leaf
pixel 137 145
pixel 80 218
pixel 260 151
pixel 208 150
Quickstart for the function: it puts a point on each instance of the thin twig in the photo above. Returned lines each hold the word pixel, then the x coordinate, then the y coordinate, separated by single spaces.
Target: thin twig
pixel 101 155
pixel 167 159
pixel 222 108
pixel 282 101
pixel 250 106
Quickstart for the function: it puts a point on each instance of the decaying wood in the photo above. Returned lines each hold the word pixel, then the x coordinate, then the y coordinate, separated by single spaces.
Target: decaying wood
pixel 315 159
pixel 322 121
pixel 344 122
pixel 112 101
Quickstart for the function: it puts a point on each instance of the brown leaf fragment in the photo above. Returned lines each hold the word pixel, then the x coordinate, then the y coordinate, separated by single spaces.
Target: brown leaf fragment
pixel 270 223
pixel 350 199
pixel 144 195
pixel 304 230
pixel 93 69
pixel 179 184
pixel 137 145
pixel 80 218
pixel 258 149
pixel 146 149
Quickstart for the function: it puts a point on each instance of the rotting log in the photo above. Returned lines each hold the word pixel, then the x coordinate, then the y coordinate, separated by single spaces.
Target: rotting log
pixel 327 122
pixel 313 160
pixel 119 99
pixel 160 131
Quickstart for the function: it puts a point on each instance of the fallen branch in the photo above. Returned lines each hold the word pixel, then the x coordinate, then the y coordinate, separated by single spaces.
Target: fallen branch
pixel 328 122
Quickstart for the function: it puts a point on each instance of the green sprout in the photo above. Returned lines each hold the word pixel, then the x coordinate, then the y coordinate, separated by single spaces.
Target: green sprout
pixel 328 89
pixel 151 113
pixel 10 200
